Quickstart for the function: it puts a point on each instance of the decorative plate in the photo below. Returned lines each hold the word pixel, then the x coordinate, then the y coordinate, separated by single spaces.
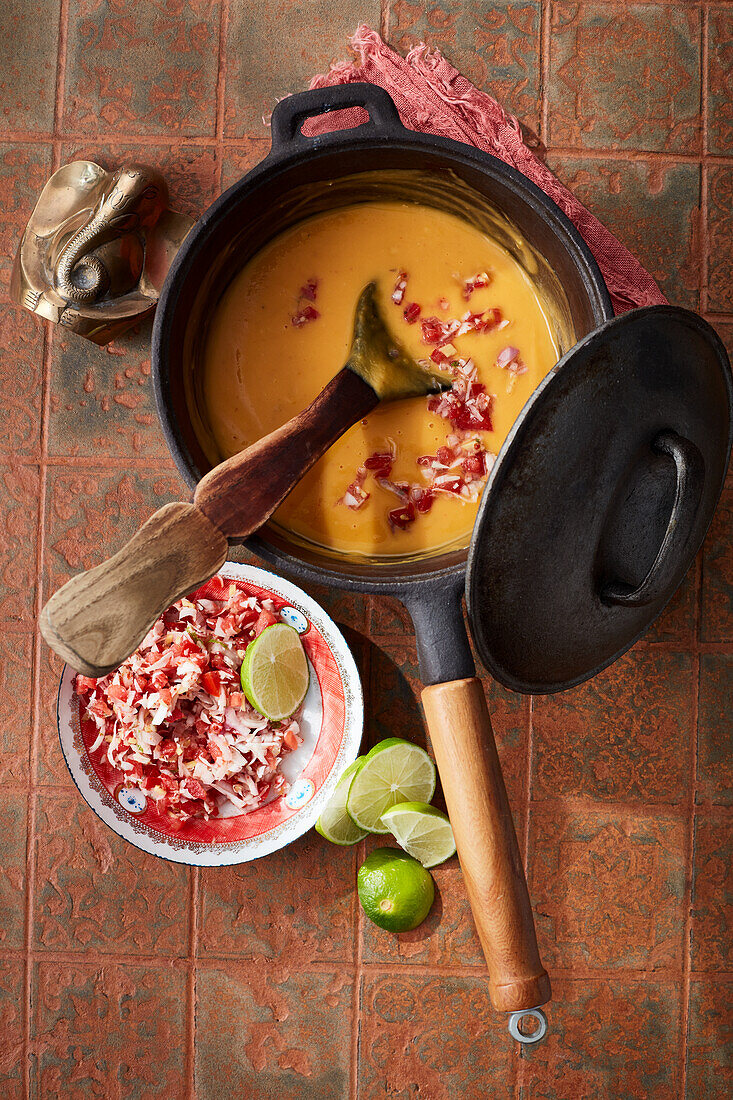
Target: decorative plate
pixel 331 724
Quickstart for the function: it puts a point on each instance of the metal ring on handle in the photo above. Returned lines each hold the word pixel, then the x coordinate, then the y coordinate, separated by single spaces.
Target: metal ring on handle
pixel 540 1032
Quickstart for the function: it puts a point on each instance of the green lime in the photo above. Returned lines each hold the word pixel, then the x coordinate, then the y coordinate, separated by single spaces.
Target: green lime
pixel 334 823
pixel 275 672
pixel 422 831
pixel 394 771
pixel 394 890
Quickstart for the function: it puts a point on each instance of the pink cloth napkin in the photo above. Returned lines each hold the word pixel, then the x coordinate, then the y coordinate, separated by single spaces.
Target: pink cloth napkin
pixel 432 97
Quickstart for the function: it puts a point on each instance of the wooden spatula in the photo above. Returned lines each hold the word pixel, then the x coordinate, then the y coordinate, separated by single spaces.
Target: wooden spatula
pixel 100 617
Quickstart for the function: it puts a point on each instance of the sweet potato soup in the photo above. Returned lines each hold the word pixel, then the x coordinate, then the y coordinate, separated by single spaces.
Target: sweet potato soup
pixel 408 478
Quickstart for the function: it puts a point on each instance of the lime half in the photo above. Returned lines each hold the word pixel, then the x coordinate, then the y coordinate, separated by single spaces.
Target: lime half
pixel 275 672
pixel 422 831
pixel 334 823
pixel 394 771
pixel 394 890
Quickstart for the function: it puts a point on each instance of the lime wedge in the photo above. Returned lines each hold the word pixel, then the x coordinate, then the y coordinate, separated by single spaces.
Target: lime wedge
pixel 394 771
pixel 422 831
pixel 275 672
pixel 334 823
pixel 394 890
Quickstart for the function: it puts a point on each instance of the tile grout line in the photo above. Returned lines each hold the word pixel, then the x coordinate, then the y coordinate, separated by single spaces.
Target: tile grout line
pixel 704 119
pixel 690 842
pixel 221 93
pixel 193 911
pixel 30 882
pixel 545 38
pixel 385 9
pixel 358 913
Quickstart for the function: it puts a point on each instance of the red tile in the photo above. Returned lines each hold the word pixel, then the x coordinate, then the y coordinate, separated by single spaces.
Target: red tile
pixel 16 723
pixel 107 1030
pixel 446 938
pixel 19 491
pixel 28 48
pixel 394 693
pixel 625 76
pixel 98 893
pixel 295 906
pixel 51 766
pixel 652 208
pixel 389 616
pixel 710 1041
pixel 436 1037
pixel 606 1039
pixel 622 736
pixel 24 170
pixel 21 368
pixel 720 81
pixel 11 1033
pixel 716 624
pixel 302 40
pixel 102 402
pixel 607 888
pixel 720 238
pixel 676 624
pixel 13 816
pixel 92 512
pixel 714 734
pixel 347 609
pixel 496 46
pixel 509 713
pixel 272 1033
pixel 238 160
pixel 712 894
pixel 142 69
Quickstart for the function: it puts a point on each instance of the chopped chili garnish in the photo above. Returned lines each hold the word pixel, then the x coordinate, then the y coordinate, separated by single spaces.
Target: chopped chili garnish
pixel 304 315
pixel 475 283
pixel 380 463
pixel 402 517
pixel 411 313
pixel 309 290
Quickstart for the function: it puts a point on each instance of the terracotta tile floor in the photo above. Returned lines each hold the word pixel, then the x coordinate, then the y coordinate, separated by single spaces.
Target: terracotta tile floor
pixel 123 977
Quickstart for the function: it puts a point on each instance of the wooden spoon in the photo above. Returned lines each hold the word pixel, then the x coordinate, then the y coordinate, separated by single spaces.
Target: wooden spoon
pixel 100 617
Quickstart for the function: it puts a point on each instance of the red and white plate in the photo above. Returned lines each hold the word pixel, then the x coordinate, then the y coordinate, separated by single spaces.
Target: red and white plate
pixel 331 725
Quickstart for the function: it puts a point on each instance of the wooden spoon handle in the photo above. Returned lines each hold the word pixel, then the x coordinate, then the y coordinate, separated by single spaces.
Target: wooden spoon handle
pixel 241 494
pixel 100 617
pixel 465 751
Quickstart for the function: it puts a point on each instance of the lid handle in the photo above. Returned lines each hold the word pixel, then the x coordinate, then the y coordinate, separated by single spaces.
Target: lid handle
pixel 663 577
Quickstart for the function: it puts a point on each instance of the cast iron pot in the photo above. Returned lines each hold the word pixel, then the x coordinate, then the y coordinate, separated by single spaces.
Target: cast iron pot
pixel 593 512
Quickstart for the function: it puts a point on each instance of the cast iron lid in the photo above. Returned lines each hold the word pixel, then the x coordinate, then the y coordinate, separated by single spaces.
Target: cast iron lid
pixel 600 499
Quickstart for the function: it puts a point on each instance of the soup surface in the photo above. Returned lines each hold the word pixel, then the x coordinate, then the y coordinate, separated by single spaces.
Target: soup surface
pixel 407 479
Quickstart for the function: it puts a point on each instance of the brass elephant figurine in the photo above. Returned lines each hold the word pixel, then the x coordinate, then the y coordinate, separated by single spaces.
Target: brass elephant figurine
pixel 97 248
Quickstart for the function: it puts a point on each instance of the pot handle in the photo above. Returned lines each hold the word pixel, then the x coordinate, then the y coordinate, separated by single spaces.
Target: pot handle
pixel 465 752
pixel 661 579
pixel 291 112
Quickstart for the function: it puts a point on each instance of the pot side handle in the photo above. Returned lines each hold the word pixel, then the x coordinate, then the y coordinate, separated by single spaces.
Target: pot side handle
pixel 465 752
pixel 290 114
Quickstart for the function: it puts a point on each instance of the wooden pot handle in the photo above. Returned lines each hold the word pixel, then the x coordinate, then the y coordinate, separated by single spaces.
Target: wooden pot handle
pixel 100 617
pixel 465 752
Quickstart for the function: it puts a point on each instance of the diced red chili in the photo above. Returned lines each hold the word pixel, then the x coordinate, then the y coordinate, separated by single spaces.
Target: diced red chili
pixel 304 315
pixel 474 464
pixel 211 682
pixel 411 312
pixel 402 517
pixel 309 290
pixel 380 463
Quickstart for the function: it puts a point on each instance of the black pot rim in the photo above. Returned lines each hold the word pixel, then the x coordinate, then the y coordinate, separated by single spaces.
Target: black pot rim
pixel 280 160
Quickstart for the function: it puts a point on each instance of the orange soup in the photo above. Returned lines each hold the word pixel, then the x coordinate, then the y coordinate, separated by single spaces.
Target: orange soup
pixel 407 479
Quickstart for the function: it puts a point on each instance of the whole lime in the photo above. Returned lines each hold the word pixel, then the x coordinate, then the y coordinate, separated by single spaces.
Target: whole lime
pixel 395 891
